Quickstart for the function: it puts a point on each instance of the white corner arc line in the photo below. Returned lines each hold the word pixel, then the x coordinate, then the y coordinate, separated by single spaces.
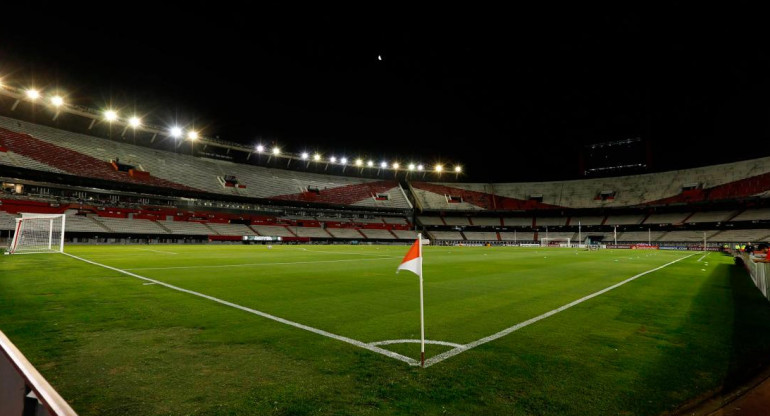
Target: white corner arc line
pixel 451 353
pixel 252 264
pixel 415 341
pixel 351 341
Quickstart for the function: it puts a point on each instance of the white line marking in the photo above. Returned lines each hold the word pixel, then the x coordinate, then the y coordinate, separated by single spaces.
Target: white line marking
pixel 351 341
pixel 158 251
pixel 148 283
pixel 701 257
pixel 451 353
pixel 347 252
pixel 415 341
pixel 249 264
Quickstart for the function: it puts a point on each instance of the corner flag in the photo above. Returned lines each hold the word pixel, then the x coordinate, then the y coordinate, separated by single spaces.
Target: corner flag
pixel 413 259
pixel 413 262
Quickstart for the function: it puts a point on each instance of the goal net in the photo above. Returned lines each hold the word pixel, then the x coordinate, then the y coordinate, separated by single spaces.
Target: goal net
pixel 38 233
pixel 555 242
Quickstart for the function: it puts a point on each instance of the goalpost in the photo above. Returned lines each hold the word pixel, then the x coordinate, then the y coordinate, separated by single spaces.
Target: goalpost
pixel 38 233
pixel 560 241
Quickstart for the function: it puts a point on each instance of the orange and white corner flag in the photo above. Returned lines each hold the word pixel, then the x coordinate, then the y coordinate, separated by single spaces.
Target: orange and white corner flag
pixel 413 259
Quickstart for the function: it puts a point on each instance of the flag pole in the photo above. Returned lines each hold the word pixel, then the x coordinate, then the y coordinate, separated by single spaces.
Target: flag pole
pixel 422 311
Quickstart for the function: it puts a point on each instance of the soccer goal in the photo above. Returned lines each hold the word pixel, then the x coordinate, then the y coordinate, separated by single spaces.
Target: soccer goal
pixel 556 242
pixel 38 233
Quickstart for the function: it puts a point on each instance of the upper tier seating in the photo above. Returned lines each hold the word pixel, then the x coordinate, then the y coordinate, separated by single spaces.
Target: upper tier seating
pixel 425 220
pixel 59 151
pixel 231 229
pixel 586 220
pixel 486 221
pixel 456 221
pixel 668 218
pixel 345 233
pixel 753 214
pixel 185 227
pixel 316 232
pixel 122 225
pixel 728 181
pixel 445 235
pixel 711 216
pixel 517 221
pixel 405 234
pixel 272 230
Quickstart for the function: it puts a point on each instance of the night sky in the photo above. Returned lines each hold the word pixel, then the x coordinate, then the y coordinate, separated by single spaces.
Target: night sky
pixel 511 93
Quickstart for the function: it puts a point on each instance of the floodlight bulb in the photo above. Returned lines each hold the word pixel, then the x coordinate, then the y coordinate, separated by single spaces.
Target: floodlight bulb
pixel 439 168
pixel 260 148
pixel 276 150
pixel 344 160
pixel 333 159
pixel 176 132
pixel 316 157
pixel 420 167
pixel 57 100
pixel 33 94
pixel 192 135
pixel 458 169
pixel 396 165
pixel 359 162
pixel 411 166
pixel 135 122
pixel 110 115
pixel 384 165
pixel 305 155
pixel 370 163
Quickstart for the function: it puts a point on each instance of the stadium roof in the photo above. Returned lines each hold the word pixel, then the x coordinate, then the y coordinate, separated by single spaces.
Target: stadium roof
pixel 512 94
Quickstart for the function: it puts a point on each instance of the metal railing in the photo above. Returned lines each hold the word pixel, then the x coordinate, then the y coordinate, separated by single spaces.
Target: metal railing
pixel 758 272
pixel 23 391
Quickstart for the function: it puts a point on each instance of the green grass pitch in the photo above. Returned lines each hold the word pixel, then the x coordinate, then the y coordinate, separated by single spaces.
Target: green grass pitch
pixel 113 344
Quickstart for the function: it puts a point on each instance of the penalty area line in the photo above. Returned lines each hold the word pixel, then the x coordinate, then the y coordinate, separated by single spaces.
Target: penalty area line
pixel 321 332
pixel 451 353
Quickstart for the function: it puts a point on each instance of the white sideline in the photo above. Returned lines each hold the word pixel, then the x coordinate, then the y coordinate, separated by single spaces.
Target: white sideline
pixel 701 257
pixel 158 251
pixel 357 343
pixel 451 353
pixel 250 264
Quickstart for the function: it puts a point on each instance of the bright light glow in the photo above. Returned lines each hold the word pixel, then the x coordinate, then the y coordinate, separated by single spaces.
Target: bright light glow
pixel 176 132
pixel 420 167
pixel 316 157
pixel 439 168
pixel 33 94
pixel 192 135
pixel 305 155
pixel 370 163
pixel 411 166
pixel 333 159
pixel 396 165
pixel 344 160
pixel 276 151
pixel 110 115
pixel 359 162
pixel 458 169
pixel 57 100
pixel 134 122
pixel 384 165
pixel 260 148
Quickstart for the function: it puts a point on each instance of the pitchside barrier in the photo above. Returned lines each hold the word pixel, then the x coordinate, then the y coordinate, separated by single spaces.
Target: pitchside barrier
pixel 759 273
pixel 23 391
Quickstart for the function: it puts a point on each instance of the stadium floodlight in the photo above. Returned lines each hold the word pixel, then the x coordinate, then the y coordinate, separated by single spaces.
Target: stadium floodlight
pixel 420 167
pixel 333 159
pixel 260 148
pixel 176 132
pixel 384 165
pixel 33 94
pixel 134 122
pixel 370 163
pixel 316 157
pixel 276 150
pixel 57 101
pixel 396 165
pixel 192 135
pixel 305 155
pixel 458 169
pixel 344 160
pixel 439 168
pixel 411 166
pixel 359 162
pixel 110 115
